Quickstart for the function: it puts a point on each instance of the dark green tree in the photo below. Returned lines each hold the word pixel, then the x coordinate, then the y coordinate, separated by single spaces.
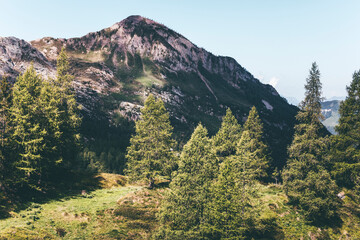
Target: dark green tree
pixel 252 146
pixel 305 178
pixel 150 153
pixel 345 154
pixel 5 103
pixel 67 112
pixel 182 211
pixel 226 139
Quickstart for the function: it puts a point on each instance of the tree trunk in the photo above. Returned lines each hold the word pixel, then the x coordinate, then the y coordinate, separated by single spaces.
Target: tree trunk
pixel 151 183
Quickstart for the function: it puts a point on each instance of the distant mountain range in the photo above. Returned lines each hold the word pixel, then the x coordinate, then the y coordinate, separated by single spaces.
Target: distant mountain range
pixel 330 110
pixel 117 67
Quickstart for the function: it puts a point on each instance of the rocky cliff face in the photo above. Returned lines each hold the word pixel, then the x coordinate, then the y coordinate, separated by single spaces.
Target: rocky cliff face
pixel 17 55
pixel 117 67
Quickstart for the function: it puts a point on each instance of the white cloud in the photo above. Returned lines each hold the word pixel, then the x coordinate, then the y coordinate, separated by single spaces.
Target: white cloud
pixel 274 81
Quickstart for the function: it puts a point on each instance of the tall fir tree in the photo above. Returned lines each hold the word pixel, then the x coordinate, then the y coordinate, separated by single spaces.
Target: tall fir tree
pixel 311 105
pixel 50 121
pixel 229 211
pixel 252 146
pixel 150 153
pixel 28 134
pixel 182 211
pixel 226 139
pixel 68 116
pixel 345 154
pixel 306 181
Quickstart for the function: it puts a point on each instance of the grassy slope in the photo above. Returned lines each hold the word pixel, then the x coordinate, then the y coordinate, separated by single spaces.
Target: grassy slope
pixel 291 223
pixel 129 212
pixel 113 212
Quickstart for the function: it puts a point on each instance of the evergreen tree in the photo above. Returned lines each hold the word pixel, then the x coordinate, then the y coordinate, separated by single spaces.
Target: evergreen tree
pixel 252 146
pixel 228 212
pixel 306 181
pixel 49 120
pixel 225 141
pixel 346 145
pixel 311 105
pixel 28 134
pixel 182 211
pixel 67 112
pixel 151 148
pixel 44 116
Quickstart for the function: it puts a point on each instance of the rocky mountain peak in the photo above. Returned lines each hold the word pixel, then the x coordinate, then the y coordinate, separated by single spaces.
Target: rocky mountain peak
pixel 117 67
pixel 134 20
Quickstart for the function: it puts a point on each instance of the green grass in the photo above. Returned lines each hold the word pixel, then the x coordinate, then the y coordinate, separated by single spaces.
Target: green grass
pixel 291 224
pixel 129 212
pixel 149 81
pixel 79 217
pixel 91 56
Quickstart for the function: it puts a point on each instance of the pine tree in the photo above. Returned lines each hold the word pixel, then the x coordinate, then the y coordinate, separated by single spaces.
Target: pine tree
pixel 229 211
pixel 311 105
pixel 50 121
pixel 150 153
pixel 182 211
pixel 252 146
pixel 306 180
pixel 67 113
pixel 28 134
pixel 225 141
pixel 345 153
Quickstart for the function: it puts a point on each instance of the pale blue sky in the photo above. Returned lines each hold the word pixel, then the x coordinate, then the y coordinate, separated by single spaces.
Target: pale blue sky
pixel 275 40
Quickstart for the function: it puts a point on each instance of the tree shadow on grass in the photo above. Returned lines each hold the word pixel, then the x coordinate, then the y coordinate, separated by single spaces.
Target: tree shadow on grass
pixel 72 184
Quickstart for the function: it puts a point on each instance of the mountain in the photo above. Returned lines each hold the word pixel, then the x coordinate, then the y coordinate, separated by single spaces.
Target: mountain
pixel 117 67
pixel 330 110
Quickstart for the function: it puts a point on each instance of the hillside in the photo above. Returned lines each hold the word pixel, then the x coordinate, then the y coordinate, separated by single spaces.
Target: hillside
pixel 129 212
pixel 117 67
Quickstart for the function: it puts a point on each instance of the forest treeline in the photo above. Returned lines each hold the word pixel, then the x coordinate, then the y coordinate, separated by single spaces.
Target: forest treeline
pixel 213 180
pixel 39 130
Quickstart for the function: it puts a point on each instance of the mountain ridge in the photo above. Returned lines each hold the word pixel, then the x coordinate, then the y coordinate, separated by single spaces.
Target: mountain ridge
pixel 117 67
